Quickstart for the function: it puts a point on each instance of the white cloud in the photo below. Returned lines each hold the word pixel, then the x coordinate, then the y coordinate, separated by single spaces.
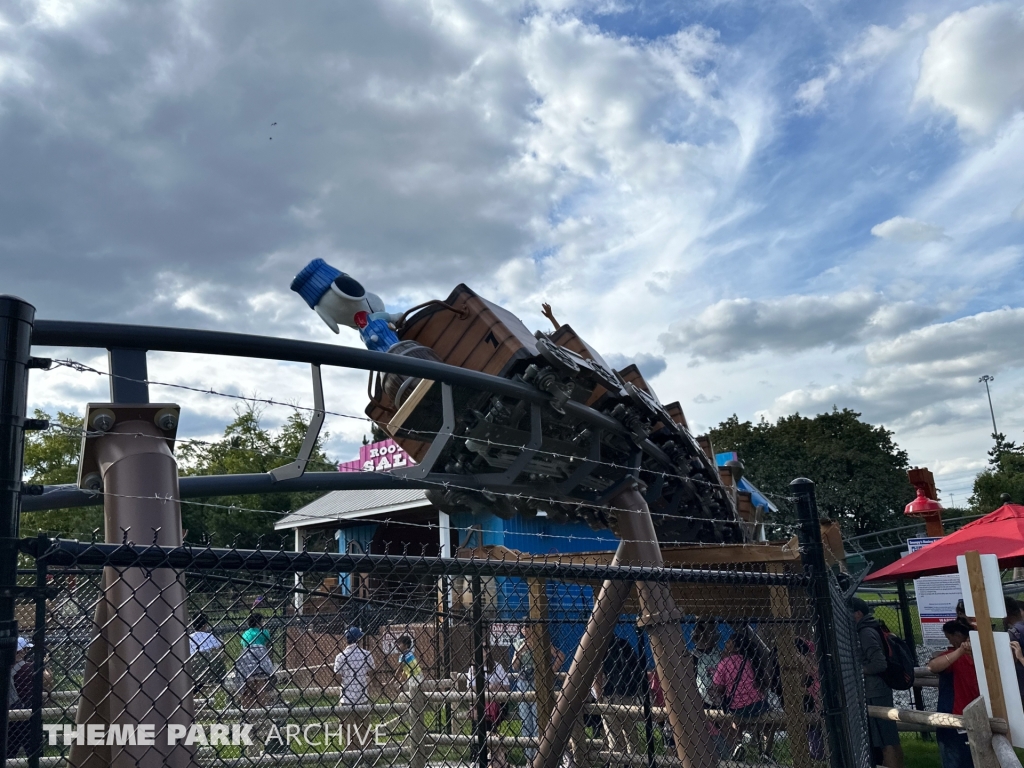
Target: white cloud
pixel 734 327
pixel 1018 212
pixel 650 365
pixel 969 343
pixel 973 66
pixel 860 59
pixel 928 377
pixel 905 230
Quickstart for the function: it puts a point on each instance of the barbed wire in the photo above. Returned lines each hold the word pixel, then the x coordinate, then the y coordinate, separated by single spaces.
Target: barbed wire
pixel 785 527
pixel 82 367
pixel 224 444
pixel 445 485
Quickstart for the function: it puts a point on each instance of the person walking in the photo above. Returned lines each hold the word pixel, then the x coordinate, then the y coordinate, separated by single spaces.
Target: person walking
pixel 409 672
pixel 254 667
pixel 205 650
pixel 352 668
pixel 883 735
pixel 958 687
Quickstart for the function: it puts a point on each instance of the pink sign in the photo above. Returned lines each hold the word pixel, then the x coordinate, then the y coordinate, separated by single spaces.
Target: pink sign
pixel 378 457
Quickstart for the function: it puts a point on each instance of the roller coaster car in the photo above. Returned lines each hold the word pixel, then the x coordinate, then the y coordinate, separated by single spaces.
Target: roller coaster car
pixel 527 458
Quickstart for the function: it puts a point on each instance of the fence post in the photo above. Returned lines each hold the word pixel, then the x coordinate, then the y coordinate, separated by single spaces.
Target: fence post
pixel 479 673
pixel 16 319
pixel 417 726
pixel 829 670
pixel 35 741
pixel 979 734
pixel 908 635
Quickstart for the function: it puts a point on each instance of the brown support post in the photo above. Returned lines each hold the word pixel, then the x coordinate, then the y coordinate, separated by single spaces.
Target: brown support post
pixel 539 640
pixel 585 663
pixel 662 621
pixel 135 666
pixel 986 637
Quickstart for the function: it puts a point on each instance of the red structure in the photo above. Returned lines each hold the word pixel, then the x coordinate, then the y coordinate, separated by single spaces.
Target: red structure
pixel 925 505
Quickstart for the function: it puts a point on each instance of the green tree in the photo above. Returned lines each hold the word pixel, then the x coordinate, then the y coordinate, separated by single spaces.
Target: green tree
pixel 247 447
pixel 860 474
pixel 1004 475
pixel 51 458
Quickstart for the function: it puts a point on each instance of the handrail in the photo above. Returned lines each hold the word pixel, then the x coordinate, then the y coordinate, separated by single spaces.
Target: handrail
pixel 57 552
pixel 63 333
pixel 932 719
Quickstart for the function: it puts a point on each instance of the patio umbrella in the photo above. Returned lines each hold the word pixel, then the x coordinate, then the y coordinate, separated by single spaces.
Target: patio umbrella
pixel 999 533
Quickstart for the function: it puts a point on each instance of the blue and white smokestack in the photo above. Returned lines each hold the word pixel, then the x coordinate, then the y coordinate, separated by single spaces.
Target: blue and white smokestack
pixel 340 299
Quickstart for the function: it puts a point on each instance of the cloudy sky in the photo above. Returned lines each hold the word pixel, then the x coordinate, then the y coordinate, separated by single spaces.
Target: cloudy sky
pixel 773 206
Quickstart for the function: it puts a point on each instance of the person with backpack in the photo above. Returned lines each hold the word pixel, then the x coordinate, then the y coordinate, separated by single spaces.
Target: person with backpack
pixel 883 735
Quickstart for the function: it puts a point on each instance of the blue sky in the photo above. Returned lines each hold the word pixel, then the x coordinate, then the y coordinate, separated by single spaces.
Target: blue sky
pixel 776 207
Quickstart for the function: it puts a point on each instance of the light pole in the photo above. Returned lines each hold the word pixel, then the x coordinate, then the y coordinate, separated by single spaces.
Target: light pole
pixel 985 380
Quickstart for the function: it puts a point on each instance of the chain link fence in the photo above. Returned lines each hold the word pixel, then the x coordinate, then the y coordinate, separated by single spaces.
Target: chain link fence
pixel 157 656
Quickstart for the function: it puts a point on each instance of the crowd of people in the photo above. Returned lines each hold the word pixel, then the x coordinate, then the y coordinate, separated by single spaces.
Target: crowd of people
pixel 957 680
pixel 737 674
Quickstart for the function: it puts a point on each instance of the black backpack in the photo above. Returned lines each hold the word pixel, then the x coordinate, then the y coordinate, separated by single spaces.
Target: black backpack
pixel 899 664
pixel 624 673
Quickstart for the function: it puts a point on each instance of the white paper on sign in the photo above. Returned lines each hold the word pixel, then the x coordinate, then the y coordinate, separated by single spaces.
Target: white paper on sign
pixel 1008 677
pixel 993 586
pixel 937 597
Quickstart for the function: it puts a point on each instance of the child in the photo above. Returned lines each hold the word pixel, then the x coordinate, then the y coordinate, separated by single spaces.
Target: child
pixel 409 671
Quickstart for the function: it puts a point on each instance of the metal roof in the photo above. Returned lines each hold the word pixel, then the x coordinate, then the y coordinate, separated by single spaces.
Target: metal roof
pixel 348 505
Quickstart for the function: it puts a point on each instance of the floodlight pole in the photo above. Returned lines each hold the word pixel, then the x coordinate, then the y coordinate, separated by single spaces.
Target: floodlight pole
pixel 661 619
pixel 985 380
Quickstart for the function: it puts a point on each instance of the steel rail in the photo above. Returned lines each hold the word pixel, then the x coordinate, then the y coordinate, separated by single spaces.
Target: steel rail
pixel 69 552
pixel 60 333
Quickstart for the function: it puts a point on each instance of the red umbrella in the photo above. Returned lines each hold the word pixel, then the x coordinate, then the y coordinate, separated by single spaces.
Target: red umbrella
pixel 999 533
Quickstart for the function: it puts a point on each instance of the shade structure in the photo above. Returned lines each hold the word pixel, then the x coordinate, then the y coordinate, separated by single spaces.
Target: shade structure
pixel 999 533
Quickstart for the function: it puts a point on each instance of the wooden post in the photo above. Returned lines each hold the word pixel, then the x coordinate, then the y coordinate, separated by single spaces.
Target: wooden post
pixel 979 731
pixel 986 637
pixel 539 641
pixel 1004 752
pixel 793 671
pixel 418 753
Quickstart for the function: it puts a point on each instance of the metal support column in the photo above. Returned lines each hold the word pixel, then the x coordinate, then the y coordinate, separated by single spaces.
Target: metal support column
pixel 35 739
pixel 662 622
pixel 908 635
pixel 830 673
pixel 479 675
pixel 135 664
pixel 16 318
pixel 128 375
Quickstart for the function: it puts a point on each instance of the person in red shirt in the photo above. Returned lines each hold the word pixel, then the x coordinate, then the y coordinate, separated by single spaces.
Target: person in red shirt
pixel 958 662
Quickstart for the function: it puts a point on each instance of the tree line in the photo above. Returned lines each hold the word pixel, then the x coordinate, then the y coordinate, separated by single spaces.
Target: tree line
pixel 859 471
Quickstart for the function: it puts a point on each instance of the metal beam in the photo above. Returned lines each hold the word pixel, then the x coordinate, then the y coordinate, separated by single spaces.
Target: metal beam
pixel 60 333
pixel 65 552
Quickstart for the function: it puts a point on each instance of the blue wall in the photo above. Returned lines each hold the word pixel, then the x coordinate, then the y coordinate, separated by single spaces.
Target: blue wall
pixel 569 604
